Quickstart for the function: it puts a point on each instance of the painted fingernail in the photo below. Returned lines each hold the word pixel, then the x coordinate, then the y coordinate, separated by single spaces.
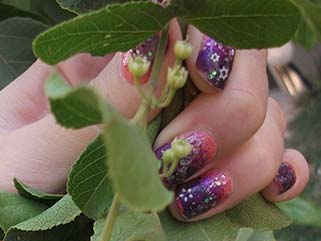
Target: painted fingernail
pixel 203 151
pixel 202 194
pixel 215 62
pixel 148 50
pixel 285 178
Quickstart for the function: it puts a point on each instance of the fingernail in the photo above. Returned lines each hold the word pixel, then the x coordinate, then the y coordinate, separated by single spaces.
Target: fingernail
pixel 215 62
pixel 203 151
pixel 147 49
pixel 285 178
pixel 202 194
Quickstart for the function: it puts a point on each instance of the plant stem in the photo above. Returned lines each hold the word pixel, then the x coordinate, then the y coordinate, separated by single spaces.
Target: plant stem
pixel 111 218
pixel 141 116
pixel 167 99
pixel 159 58
pixel 140 90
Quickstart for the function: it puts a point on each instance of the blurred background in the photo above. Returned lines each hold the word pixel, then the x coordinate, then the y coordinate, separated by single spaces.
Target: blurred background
pixel 295 81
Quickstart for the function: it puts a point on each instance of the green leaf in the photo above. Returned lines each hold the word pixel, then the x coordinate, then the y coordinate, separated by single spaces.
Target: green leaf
pixel 216 228
pixel 8 11
pixel 83 6
pixel 16 35
pixel 248 234
pixel 242 23
pixel 262 236
pixel 134 168
pixel 302 212
pixel 63 212
pixel 128 166
pixel 153 128
pixel 51 11
pixel 244 234
pixel 15 209
pixel 131 226
pixel 259 214
pixel 98 230
pixel 88 184
pixel 311 14
pixel 305 36
pixel 73 108
pixel 22 5
pixel 36 195
pixel 79 230
pixel 114 28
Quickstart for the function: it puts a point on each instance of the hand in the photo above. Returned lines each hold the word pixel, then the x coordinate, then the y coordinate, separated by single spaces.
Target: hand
pixel 236 134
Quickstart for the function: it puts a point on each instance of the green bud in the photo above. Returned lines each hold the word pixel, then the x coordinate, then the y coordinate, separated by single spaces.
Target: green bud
pixel 138 66
pixel 168 156
pixel 177 77
pixel 181 148
pixel 183 49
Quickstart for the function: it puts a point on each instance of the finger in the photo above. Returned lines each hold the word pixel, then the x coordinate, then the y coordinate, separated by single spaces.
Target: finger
pixel 41 154
pixel 292 177
pixel 116 83
pixel 211 62
pixel 228 119
pixel 23 101
pixel 82 68
pixel 48 151
pixel 237 176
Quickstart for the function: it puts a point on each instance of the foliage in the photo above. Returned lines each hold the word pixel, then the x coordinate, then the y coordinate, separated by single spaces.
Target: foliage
pixel 120 160
pixel 310 29
pixel 20 23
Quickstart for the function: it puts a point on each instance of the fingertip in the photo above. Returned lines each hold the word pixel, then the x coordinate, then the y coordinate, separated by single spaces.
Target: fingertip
pixel 211 62
pixel 291 179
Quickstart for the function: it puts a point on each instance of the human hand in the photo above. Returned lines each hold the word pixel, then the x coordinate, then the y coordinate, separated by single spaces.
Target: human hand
pixel 240 131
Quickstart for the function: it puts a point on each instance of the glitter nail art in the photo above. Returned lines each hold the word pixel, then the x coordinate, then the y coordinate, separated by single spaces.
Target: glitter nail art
pixel 203 151
pixel 202 194
pixel 215 62
pixel 148 50
pixel 285 177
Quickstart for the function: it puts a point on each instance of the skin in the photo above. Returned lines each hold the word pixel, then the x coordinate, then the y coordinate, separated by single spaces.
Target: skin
pixel 40 153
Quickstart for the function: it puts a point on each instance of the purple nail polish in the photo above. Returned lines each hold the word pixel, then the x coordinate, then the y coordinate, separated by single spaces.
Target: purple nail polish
pixel 202 194
pixel 215 62
pixel 203 151
pixel 285 177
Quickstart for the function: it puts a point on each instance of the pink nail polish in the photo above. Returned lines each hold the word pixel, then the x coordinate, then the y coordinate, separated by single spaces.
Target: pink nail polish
pixel 202 194
pixel 147 49
pixel 203 151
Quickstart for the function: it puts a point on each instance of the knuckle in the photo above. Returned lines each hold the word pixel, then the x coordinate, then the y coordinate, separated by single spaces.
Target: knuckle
pixel 269 158
pixel 250 109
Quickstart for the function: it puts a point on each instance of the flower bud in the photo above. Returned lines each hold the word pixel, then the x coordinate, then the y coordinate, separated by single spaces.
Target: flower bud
pixel 138 66
pixel 183 49
pixel 177 77
pixel 181 148
pixel 168 156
